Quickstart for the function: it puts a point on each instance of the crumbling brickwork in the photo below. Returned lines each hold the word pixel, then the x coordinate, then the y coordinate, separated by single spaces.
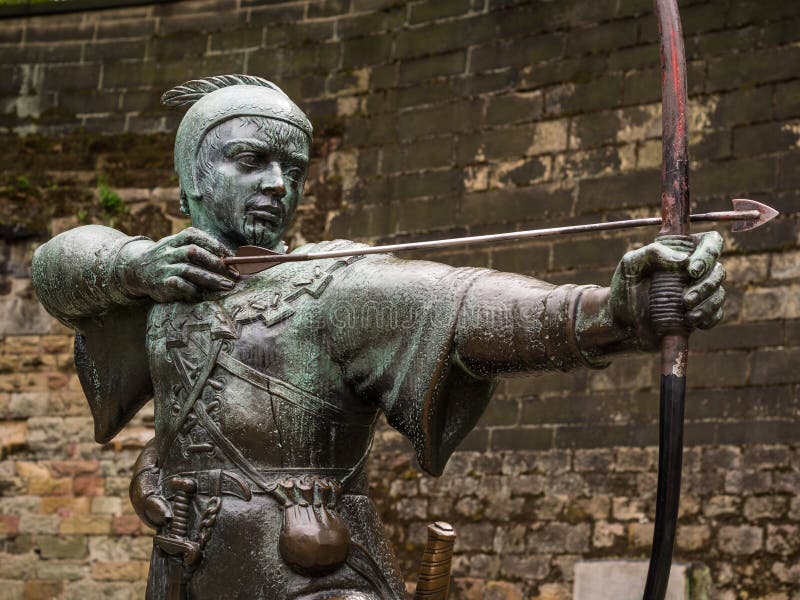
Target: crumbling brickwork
pixel 433 118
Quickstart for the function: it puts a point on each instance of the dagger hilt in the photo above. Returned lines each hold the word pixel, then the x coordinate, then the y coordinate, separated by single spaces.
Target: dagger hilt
pixel 433 582
pixel 184 488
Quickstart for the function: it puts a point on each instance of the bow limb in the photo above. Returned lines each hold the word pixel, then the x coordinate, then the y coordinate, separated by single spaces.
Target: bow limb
pixel 666 296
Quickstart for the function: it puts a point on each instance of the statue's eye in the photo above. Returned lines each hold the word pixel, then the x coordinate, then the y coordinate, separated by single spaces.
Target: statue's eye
pixel 247 159
pixel 294 174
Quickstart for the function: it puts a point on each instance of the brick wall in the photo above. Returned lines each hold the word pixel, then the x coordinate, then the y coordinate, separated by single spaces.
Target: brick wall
pixel 436 117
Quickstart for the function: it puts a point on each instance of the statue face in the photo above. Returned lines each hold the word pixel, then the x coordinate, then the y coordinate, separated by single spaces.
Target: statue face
pixel 251 172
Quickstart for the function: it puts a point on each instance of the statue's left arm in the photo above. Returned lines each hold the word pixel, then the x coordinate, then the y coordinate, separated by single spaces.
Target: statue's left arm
pixel 427 342
pixel 512 324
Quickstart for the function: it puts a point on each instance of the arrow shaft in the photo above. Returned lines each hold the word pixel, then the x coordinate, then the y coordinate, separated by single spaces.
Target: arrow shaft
pixel 731 215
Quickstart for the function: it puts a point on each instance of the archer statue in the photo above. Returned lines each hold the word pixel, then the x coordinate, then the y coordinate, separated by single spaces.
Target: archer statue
pixel 267 386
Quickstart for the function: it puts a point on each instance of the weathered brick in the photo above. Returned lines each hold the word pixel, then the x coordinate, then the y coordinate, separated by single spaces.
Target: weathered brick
pixel 441 65
pixel 512 108
pixel 766 138
pixel 523 259
pixel 787 99
pixel 327 8
pixel 619 191
pixel 607 36
pixel 741 541
pixel 85 524
pixel 201 21
pixel 561 70
pixel 42 590
pixel 501 206
pixel 53 31
pixel 42 53
pixel 517 53
pixel 68 546
pixel 605 436
pixel 452 117
pixel 748 11
pixel 558 537
pixel 774 366
pixel 519 438
pixel 752 68
pixel 71 77
pixel 595 129
pixel 177 45
pixel 734 177
pixel 443 37
pixel 574 98
pixel 372 50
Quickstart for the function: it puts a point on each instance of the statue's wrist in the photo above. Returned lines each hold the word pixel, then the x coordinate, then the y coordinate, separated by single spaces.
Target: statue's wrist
pixel 600 328
pixel 629 313
pixel 126 271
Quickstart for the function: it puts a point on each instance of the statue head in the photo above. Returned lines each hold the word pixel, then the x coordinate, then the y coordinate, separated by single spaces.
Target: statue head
pixel 241 155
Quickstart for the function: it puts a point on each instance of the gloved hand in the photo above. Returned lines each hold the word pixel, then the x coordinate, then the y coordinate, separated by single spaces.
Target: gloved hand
pixel 176 268
pixel 144 490
pixel 703 299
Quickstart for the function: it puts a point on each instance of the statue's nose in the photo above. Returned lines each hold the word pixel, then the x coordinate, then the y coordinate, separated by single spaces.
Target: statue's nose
pixel 272 181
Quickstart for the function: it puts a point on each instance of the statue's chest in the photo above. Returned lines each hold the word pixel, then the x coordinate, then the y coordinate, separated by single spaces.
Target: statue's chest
pixel 251 370
pixel 258 323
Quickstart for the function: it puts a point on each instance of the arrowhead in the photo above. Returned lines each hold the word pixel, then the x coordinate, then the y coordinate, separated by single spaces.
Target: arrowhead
pixel 766 213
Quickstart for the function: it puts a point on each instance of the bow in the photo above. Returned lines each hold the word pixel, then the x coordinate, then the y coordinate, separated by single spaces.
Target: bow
pixel 666 295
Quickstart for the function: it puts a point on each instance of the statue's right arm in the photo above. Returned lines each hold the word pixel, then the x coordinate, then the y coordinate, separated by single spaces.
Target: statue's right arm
pixel 75 273
pixel 91 270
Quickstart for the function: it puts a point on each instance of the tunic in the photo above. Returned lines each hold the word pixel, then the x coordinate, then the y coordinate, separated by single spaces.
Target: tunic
pixel 284 376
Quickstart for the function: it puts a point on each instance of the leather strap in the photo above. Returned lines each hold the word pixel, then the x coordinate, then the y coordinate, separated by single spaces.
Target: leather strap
pixel 194 393
pixel 293 395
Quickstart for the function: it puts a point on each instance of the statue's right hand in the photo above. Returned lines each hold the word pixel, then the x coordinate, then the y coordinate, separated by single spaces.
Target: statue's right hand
pixel 145 490
pixel 176 268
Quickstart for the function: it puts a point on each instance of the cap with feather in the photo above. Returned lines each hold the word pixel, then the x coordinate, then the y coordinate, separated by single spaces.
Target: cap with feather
pixel 215 99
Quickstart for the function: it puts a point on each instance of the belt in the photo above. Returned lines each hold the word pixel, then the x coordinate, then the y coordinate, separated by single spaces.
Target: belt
pixel 231 482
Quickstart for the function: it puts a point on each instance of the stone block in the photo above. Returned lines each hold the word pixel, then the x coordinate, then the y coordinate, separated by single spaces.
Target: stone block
pixel 12 589
pixel 86 524
pixel 69 546
pixel 438 9
pixel 519 438
pixel 440 65
pixel 625 580
pixel 42 590
pixel 71 77
pixel 559 538
pixel 119 570
pixel 574 98
pixel 754 67
pixel 372 50
pixel 518 52
pixel 742 540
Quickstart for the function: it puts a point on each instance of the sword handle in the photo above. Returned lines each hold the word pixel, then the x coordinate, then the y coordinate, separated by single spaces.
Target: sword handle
pixel 433 582
pixel 184 488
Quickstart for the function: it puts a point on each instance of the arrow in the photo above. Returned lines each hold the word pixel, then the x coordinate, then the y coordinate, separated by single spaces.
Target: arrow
pixel 746 215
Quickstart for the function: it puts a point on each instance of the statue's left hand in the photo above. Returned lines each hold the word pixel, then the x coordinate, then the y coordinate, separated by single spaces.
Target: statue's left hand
pixel 703 298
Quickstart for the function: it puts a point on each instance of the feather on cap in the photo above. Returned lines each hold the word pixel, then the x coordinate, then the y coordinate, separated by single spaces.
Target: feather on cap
pixel 190 92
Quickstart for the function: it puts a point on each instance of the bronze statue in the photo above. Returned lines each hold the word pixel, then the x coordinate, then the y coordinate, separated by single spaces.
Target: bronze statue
pixel 267 386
